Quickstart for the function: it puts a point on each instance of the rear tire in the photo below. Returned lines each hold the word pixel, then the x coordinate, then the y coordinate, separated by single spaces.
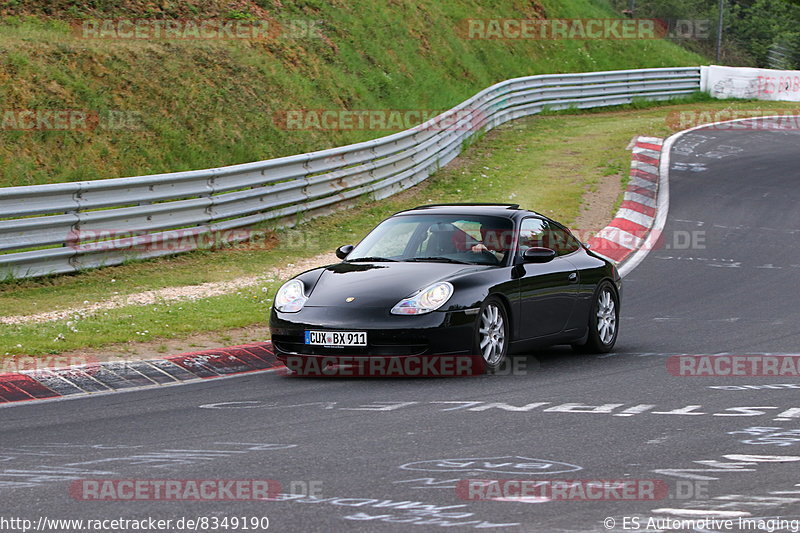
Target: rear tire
pixel 603 322
pixel 491 337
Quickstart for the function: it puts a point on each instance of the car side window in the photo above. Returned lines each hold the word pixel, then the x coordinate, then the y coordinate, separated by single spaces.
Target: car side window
pixel 536 232
pixel 561 240
pixel 531 234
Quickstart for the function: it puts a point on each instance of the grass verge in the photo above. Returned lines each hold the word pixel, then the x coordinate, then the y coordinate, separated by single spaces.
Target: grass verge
pixel 166 105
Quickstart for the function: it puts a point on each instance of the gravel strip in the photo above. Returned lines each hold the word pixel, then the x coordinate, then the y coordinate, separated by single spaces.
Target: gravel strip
pixel 188 292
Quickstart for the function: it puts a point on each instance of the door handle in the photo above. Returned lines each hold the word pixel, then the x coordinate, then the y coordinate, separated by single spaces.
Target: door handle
pixel 573 277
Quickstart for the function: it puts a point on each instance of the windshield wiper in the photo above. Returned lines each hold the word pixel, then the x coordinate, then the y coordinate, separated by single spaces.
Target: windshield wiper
pixel 439 259
pixel 375 259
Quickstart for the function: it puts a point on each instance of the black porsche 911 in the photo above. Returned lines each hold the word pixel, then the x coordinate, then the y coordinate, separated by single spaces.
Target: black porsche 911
pixel 450 279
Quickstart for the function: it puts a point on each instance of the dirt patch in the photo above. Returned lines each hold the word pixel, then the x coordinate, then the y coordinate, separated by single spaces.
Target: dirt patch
pixel 171 294
pixel 159 348
pixel 597 207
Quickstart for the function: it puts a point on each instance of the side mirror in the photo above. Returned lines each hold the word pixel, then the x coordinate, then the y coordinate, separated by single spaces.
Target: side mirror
pixel 344 251
pixel 538 255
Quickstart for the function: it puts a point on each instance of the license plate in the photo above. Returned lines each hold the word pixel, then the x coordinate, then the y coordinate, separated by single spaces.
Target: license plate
pixel 337 338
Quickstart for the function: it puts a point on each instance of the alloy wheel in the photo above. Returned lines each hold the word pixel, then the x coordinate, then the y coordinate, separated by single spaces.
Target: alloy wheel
pixel 492 334
pixel 606 316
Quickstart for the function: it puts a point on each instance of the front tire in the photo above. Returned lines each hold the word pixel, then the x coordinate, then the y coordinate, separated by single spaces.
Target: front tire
pixel 491 337
pixel 603 322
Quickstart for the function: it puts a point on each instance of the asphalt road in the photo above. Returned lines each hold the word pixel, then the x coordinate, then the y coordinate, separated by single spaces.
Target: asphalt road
pixel 370 449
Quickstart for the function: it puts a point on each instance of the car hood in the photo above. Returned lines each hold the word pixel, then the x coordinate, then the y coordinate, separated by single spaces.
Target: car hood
pixel 379 284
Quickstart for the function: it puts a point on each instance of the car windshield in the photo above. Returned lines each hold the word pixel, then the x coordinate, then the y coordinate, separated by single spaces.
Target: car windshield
pixel 468 239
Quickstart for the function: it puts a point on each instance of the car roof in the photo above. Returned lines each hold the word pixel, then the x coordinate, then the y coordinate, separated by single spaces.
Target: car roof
pixel 492 209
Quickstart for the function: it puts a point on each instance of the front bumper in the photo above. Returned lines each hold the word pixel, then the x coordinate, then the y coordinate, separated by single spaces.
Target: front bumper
pixel 436 333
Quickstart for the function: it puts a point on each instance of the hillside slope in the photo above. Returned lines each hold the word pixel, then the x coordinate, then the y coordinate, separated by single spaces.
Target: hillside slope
pixel 189 104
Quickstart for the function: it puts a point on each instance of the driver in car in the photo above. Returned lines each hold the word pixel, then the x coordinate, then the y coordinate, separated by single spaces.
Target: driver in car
pixel 493 242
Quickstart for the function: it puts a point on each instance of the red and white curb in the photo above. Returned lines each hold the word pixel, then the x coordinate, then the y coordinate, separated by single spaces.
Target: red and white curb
pixel 52 383
pixel 629 230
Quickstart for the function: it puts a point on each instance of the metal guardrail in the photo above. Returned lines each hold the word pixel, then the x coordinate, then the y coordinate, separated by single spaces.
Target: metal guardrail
pixel 42 226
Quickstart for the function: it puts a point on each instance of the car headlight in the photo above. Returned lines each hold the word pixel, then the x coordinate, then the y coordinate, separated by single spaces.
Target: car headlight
pixel 291 297
pixel 428 299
